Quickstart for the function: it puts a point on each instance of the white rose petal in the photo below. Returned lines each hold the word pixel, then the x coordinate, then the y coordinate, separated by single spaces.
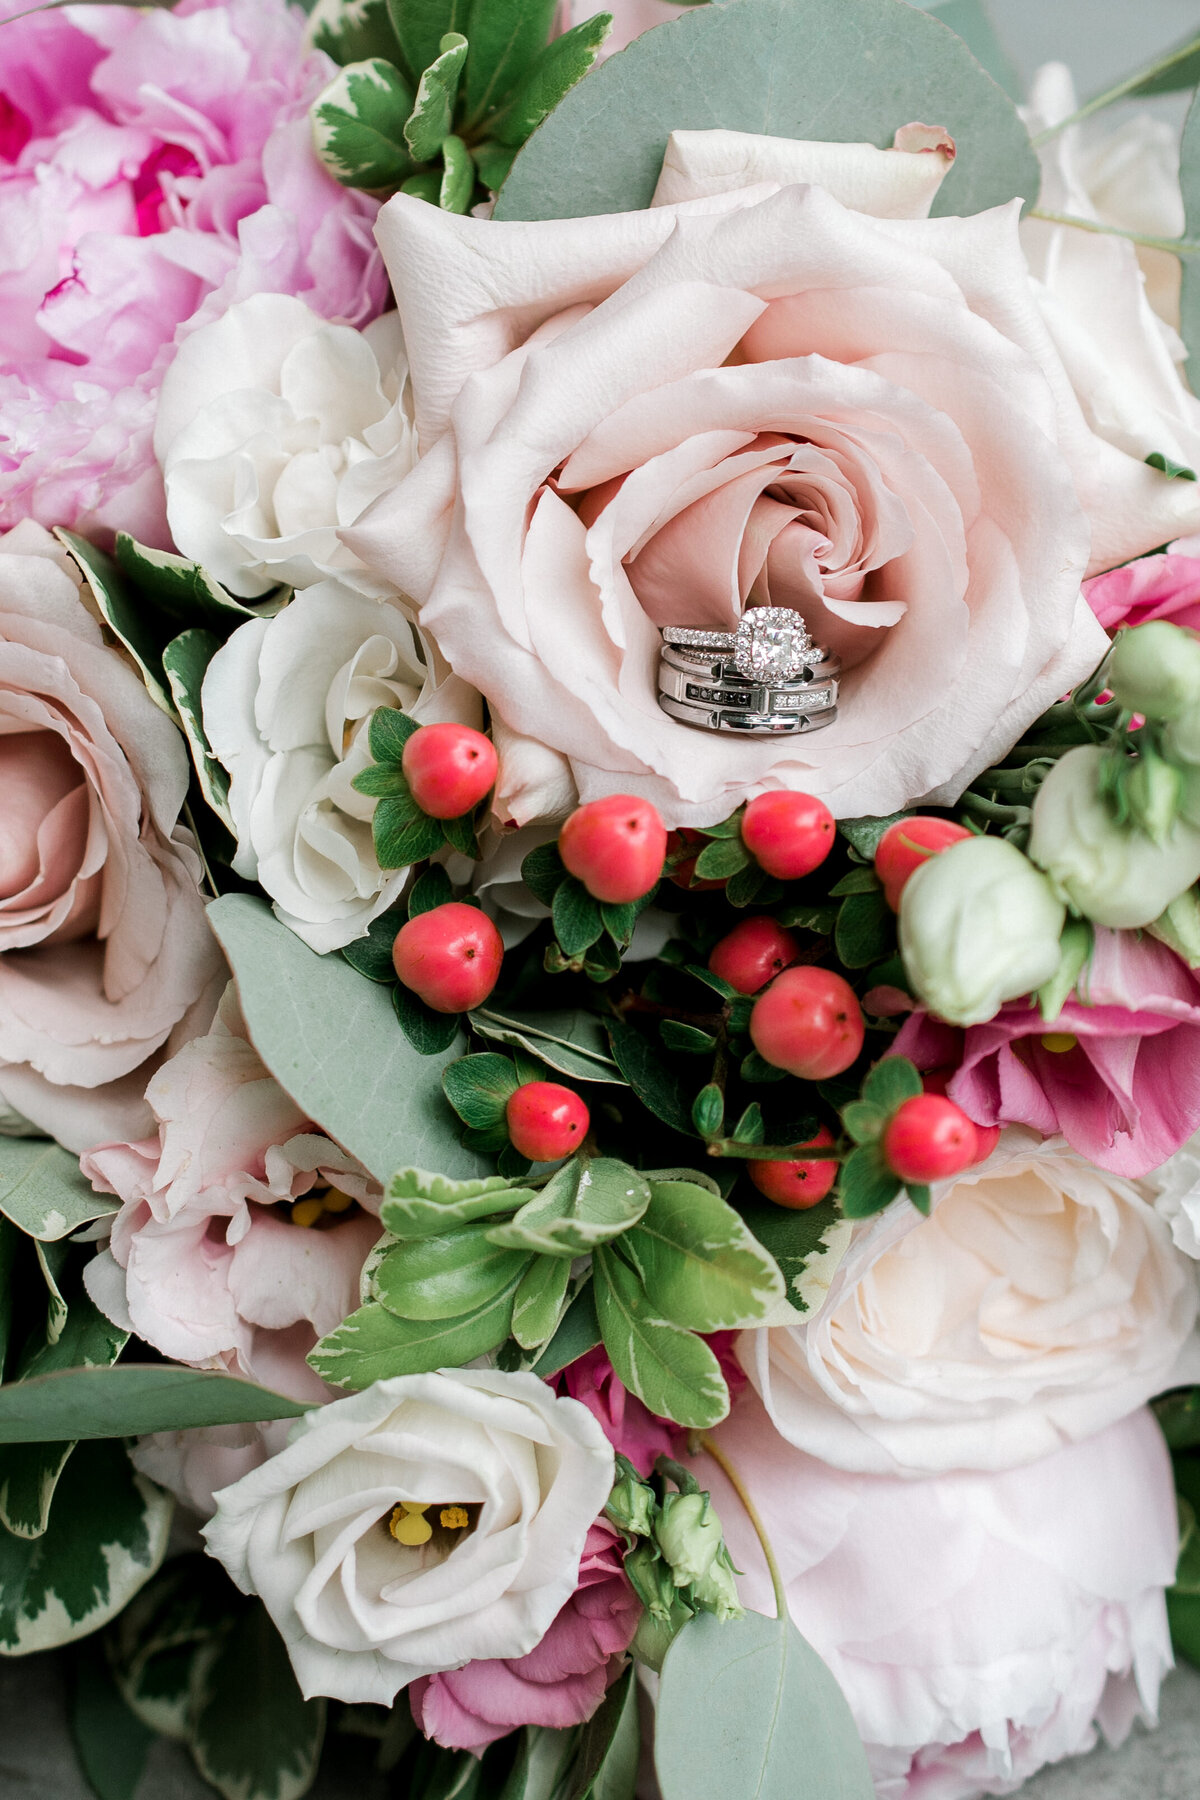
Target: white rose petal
pixel 362 1614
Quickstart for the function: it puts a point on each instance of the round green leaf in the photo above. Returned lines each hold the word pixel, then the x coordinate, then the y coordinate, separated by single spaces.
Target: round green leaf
pixel 842 71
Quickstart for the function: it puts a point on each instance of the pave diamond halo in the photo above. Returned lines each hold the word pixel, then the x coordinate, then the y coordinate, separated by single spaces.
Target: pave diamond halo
pixel 773 645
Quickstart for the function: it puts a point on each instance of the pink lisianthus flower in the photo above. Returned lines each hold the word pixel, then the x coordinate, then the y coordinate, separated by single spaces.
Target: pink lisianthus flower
pixel 1117 1073
pixel 207 1261
pixel 630 1427
pixel 154 166
pixel 559 1683
pixel 1166 586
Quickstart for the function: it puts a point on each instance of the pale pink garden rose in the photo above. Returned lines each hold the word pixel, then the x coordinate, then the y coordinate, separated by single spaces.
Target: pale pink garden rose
pixel 560 1682
pixel 1117 1072
pixel 980 1625
pixel 666 417
pixel 105 955
pixel 163 172
pixel 207 1260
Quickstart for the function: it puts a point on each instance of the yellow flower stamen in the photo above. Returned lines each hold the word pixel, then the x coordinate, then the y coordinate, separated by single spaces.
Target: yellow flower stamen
pixel 306 1212
pixel 336 1202
pixel 1059 1042
pixel 454 1518
pixel 408 1524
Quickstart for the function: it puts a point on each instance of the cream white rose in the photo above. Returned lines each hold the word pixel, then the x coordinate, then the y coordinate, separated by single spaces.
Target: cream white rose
pixel 364 1614
pixel 756 396
pixel 274 429
pixel 1041 1301
pixel 287 705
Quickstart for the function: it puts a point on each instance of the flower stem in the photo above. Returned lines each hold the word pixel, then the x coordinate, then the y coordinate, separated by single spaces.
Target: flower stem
pixel 1123 88
pixel 760 1530
pixel 1176 246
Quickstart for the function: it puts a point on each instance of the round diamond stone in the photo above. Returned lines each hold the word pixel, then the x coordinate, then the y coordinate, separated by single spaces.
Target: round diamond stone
pixel 773 645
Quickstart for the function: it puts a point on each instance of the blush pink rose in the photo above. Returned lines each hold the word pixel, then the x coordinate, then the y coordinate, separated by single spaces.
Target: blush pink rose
pixel 105 953
pixel 1166 586
pixel 760 396
pixel 630 1427
pixel 561 1682
pixel 205 1261
pixel 980 1625
pixel 154 166
pixel 1117 1073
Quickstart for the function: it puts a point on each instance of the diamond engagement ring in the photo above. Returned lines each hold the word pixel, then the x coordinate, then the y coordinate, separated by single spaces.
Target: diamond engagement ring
pixel 765 679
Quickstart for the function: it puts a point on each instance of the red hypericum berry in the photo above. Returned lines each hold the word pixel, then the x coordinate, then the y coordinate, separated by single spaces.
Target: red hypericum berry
pixel 907 844
pixel 449 769
pixel 797 1184
pixel 808 1022
pixel 682 874
pixel 450 956
pixel 753 953
pixel 788 835
pixel 936 1081
pixel 615 846
pixel 546 1121
pixel 928 1138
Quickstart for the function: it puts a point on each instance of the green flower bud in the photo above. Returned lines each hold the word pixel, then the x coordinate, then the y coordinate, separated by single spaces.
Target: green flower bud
pixel 654 1637
pixel 978 926
pixel 689 1536
pixel 1155 670
pixel 717 1592
pixel 631 1504
pixel 1154 789
pixel 651 1579
pixel 1181 739
pixel 1179 928
pixel 1112 874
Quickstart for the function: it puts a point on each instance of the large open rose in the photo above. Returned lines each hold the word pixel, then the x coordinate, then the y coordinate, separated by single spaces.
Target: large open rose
pixel 758 397
pixel 105 954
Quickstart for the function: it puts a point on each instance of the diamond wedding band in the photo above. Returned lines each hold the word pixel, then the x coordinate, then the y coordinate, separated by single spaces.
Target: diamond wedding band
pixel 765 679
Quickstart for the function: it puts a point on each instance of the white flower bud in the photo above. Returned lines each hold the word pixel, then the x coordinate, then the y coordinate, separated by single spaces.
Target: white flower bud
pixel 1111 873
pixel 1155 670
pixel 978 926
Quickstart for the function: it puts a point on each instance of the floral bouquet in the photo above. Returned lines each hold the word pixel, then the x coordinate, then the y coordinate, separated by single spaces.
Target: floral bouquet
pixel 599 896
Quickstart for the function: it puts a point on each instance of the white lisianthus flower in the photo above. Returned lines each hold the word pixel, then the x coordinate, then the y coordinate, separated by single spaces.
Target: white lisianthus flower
pixel 275 429
pixel 979 925
pixel 287 704
pixel 507 1477
pixel 1110 872
pixel 1042 1300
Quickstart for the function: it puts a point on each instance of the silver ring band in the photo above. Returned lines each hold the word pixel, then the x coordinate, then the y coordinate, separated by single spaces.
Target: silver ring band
pixel 767 679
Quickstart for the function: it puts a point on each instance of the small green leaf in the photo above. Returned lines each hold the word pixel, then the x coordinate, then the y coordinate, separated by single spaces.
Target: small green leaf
pixel 430 1033
pixel 446 1276
pixel 583 1205
pixel 700 1265
pixel 708 1111
pixel 255 1736
pixel 460 833
pixel 373 1344
pixel 671 1370
pixel 359 126
pixel 400 839
pixel 1178 1414
pixel 721 859
pixel 428 125
pixel 353 31
pixel 553 74
pixel 756 1068
pixel 867 1185
pixel 820 919
pixel 689 1040
pixel 1156 460
pixel 866 930
pixel 106 1535
pixel 577 920
pixel 110 1741
pixel 865 835
pixel 185 663
pixel 387 781
pixel 751 884
pixel 1075 949
pixel 455 195
pixel 750 1128
pixel 656 1083
pixel 431 889
pixel 542 871
pixel 479 1087
pixel 578 1333
pixel 372 955
pixel 167 1630
pixel 538 1307
pixel 921 1196
pixel 864 1121
pixel 892 1080
pixel 857 881
pixel 43 1192
pixel 619 921
pixel 388 732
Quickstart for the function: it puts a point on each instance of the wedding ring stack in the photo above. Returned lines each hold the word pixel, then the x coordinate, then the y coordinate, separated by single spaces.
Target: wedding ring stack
pixel 766 679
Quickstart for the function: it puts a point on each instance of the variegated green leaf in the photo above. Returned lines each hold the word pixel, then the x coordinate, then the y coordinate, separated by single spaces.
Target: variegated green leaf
pixel 358 125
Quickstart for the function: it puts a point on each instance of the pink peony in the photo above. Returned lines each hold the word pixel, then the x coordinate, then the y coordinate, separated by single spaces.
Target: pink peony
pixel 560 1683
pixel 205 1259
pixel 105 954
pixel 1117 1073
pixel 1166 586
pixel 154 166
pixel 630 1427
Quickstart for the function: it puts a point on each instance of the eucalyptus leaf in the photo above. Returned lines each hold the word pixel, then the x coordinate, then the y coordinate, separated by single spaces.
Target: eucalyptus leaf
pixel 774 67
pixel 131 1400
pixel 445 1276
pixel 331 1041
pixel 671 1370
pixel 700 1265
pixel 747 1710
pixel 255 1737
pixel 970 20
pixel 43 1191
pixel 373 1344
pixel 106 1536
pixel 573 1043
pixel 185 662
